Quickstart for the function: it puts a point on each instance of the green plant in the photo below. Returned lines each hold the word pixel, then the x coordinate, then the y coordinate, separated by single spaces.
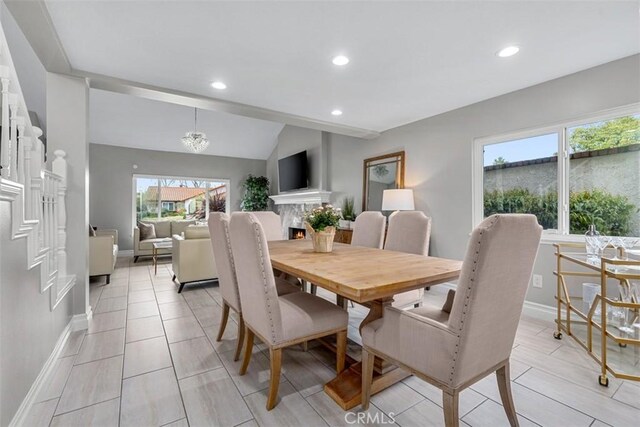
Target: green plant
pixel 217 203
pixel 323 217
pixel 256 194
pixel 348 214
pixel 612 214
pixel 613 133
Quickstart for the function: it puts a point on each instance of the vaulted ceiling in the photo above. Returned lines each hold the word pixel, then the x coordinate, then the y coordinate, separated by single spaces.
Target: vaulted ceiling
pixel 408 60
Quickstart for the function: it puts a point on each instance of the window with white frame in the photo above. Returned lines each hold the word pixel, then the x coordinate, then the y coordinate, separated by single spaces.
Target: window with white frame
pixel 175 198
pixel 569 176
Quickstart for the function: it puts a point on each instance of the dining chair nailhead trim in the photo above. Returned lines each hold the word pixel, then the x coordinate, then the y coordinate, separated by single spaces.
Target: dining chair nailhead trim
pixel 256 230
pixel 234 277
pixel 467 297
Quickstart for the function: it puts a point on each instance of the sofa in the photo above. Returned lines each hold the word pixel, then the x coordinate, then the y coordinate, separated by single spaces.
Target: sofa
pixel 164 231
pixel 192 256
pixel 103 253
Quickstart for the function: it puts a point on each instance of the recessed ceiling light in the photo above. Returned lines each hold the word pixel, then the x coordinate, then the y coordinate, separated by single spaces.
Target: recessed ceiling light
pixel 340 60
pixel 336 113
pixel 218 85
pixel 508 51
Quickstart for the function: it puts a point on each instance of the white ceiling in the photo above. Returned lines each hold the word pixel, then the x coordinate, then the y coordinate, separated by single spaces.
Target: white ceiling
pixel 128 121
pixel 409 60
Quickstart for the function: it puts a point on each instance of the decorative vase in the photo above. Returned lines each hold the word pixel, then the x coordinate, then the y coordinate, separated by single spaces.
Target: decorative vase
pixel 322 240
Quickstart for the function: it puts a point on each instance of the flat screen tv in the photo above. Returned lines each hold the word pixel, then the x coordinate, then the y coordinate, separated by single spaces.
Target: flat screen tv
pixel 292 172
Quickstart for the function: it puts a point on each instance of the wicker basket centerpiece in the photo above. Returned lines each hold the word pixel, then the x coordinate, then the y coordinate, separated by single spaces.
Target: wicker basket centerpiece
pixel 321 223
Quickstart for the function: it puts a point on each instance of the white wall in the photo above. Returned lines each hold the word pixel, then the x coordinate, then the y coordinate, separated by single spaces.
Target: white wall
pixel 111 202
pixel 68 130
pixel 439 150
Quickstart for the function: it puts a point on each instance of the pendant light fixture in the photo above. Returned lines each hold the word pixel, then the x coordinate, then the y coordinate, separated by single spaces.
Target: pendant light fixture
pixel 195 141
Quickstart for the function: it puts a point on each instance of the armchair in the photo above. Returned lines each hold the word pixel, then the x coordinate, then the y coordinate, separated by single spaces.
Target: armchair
pixel 192 257
pixel 454 350
pixel 103 252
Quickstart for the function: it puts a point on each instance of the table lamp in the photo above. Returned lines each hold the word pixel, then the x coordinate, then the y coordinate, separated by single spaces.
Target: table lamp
pixel 397 200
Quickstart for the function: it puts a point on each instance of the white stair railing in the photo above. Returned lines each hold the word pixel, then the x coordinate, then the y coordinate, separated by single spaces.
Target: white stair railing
pixel 37 195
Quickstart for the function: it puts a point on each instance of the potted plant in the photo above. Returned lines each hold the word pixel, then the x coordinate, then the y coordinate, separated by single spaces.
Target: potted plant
pixel 321 225
pixel 348 214
pixel 256 194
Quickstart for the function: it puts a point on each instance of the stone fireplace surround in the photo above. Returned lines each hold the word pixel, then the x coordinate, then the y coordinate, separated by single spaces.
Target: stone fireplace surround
pixel 292 206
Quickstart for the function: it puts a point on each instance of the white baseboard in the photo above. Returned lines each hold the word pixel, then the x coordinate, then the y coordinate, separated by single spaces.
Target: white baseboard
pixel 539 311
pixel 45 373
pixel 125 253
pixel 531 309
pixel 80 322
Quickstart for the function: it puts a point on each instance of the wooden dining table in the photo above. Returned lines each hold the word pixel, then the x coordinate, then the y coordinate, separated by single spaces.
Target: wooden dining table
pixel 367 276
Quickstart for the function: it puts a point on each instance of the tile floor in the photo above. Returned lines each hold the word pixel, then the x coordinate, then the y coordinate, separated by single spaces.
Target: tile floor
pixel 150 358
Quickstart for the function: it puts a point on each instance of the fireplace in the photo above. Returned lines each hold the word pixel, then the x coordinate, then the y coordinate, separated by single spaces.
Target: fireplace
pixel 297 233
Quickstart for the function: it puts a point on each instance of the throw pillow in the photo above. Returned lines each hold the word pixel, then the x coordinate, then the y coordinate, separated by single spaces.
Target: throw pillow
pixel 448 304
pixel 147 231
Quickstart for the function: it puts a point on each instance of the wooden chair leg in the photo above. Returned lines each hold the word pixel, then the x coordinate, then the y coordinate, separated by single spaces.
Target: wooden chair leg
pixel 341 353
pixel 450 404
pixel 223 322
pixel 367 377
pixel 275 356
pixel 248 350
pixel 503 376
pixel 241 329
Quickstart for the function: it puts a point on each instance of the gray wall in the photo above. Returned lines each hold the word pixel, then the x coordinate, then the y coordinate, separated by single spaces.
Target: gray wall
pixel 29 330
pixel 439 150
pixel 292 140
pixel 31 73
pixel 112 172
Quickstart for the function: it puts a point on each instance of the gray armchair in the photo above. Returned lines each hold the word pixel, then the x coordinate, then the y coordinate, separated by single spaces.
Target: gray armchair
pixel 454 350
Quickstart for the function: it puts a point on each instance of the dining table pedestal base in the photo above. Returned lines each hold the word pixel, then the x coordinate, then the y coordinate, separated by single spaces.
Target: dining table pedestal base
pixel 346 388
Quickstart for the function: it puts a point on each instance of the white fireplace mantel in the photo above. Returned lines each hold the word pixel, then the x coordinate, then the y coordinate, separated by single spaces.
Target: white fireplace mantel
pixel 302 197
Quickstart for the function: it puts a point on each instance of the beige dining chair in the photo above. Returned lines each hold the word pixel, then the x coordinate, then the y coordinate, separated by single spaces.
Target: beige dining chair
pixel 453 350
pixel 271 224
pixel 410 232
pixel 278 320
pixel 227 279
pixel 368 230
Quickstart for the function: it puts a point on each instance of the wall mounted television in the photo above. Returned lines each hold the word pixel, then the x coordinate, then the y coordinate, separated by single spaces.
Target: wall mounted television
pixel 292 172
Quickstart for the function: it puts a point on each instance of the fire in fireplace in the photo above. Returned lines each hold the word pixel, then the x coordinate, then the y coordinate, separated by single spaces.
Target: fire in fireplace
pixel 297 233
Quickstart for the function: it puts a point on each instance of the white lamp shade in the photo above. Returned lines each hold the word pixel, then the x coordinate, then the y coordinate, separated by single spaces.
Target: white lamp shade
pixel 397 200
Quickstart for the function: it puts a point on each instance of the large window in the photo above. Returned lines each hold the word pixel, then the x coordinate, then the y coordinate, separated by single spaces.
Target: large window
pixel 172 198
pixel 569 176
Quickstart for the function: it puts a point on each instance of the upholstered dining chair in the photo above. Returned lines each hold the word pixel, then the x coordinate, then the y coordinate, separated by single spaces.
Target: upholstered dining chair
pixel 271 224
pixel 453 350
pixel 222 255
pixel 368 230
pixel 278 320
pixel 409 231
